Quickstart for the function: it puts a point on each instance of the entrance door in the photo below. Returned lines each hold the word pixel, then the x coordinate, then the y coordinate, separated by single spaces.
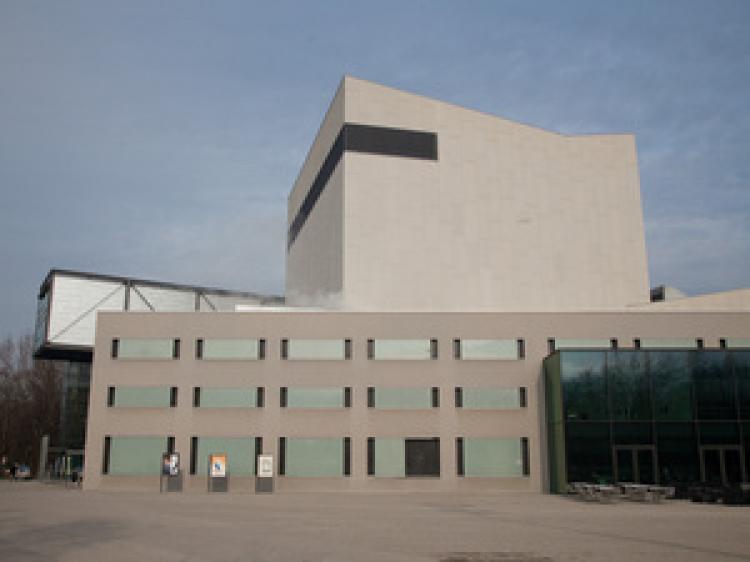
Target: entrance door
pixel 635 464
pixel 721 465
pixel 422 457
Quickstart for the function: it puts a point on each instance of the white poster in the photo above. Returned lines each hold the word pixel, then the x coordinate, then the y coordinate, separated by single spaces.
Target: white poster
pixel 265 466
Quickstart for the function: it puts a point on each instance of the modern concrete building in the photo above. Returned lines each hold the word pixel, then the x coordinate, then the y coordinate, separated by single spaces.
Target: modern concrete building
pixel 467 307
pixel 409 203
pixel 67 306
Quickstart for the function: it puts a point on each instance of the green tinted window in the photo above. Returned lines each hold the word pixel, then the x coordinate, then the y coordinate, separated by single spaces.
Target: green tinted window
pixel 678 453
pixel 672 384
pixel 145 348
pixel 719 433
pixel 714 386
pixel 403 398
pixel 314 457
pixel 589 452
pixel 240 453
pixel 584 385
pixel 228 397
pixel 315 397
pixel 491 398
pixel 632 433
pixel 390 457
pixel 230 349
pixel 669 343
pixel 402 349
pixel 599 343
pixel 316 349
pixel 142 396
pixel 136 456
pixel 489 349
pixel 741 361
pixel 629 386
pixel 493 457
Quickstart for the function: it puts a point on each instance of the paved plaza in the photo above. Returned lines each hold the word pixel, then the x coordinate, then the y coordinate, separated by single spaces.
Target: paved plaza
pixel 43 522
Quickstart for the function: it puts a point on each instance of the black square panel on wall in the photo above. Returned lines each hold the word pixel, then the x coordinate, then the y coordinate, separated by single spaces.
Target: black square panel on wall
pixel 422 457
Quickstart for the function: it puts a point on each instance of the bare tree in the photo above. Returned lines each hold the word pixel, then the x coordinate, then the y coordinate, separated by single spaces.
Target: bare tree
pixel 30 393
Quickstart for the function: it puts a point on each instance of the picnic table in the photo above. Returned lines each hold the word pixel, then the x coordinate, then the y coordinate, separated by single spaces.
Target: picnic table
pixel 603 493
pixel 645 492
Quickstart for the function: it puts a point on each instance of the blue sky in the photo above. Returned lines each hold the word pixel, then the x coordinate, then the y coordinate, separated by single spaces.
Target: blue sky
pixel 160 139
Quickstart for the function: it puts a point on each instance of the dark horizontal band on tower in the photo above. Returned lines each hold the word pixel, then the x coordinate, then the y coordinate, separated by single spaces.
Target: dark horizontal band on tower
pixel 368 139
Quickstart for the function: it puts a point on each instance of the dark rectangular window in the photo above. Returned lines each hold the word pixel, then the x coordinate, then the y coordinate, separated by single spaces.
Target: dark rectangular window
pixel 370 349
pixel 348 397
pixel 459 397
pixel 284 348
pixel 193 454
pixel 433 349
pixel 282 396
pixel 613 343
pixel 199 349
pixel 260 397
pixel 282 456
pixel 115 348
pixel 176 349
pixel 522 396
pixel 258 448
pixel 196 397
pixel 110 396
pixel 261 349
pixel 699 343
pixel 370 139
pixel 722 343
pixel 317 187
pixel 170 444
pixel 347 456
pixel 370 397
pixel 388 141
pixel 105 460
pixel 422 457
pixel 347 349
pixel 435 397
pixel 456 349
pixel 173 397
pixel 460 456
pixel 521 348
pixel 525 455
pixel 637 343
pixel 551 345
pixel 370 456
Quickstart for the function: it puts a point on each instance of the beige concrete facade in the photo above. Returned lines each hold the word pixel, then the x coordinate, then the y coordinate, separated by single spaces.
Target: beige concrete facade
pixel 508 218
pixel 357 422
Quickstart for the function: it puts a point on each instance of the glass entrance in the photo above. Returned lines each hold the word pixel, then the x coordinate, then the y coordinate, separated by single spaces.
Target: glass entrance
pixel 635 464
pixel 721 465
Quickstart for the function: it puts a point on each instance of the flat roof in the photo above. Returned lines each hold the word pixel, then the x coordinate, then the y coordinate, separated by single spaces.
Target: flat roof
pixel 44 287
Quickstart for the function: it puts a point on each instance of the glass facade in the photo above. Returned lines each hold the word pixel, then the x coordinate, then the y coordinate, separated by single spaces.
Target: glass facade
pixel 672 417
pixel 74 405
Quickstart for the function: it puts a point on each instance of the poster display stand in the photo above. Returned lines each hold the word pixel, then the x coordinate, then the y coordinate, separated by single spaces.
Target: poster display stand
pixel 264 474
pixel 218 472
pixel 170 479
